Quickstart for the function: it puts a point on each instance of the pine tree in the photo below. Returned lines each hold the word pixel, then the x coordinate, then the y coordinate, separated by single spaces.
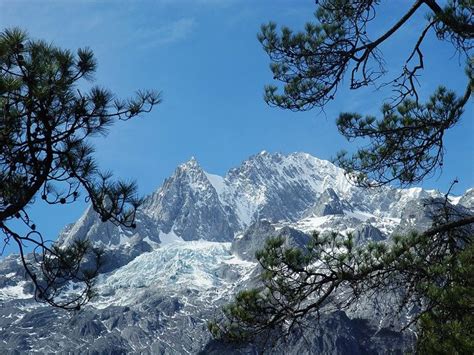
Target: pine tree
pixel 45 124
pixel 433 269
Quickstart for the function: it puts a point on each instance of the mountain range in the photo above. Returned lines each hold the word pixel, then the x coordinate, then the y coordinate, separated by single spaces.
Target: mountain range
pixel 194 248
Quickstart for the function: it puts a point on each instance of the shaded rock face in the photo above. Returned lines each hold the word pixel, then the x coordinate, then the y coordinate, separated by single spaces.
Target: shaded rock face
pixel 366 232
pixel 332 333
pixel 328 204
pixel 194 249
pixel 257 234
pixel 253 239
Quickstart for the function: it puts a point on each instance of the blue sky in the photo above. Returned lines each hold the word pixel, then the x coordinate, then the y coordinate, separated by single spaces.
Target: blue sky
pixel 204 57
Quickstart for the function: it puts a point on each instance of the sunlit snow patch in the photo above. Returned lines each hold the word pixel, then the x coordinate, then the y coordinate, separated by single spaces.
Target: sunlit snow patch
pixel 14 292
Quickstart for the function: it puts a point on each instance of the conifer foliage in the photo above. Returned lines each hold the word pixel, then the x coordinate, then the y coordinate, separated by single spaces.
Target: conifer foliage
pixel 46 119
pixel 430 271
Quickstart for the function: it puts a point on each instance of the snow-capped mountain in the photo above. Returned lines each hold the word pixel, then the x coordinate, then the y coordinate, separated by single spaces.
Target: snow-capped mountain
pixel 296 189
pixel 194 248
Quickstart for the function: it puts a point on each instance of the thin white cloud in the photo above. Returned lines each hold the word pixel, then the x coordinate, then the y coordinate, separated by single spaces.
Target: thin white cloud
pixel 199 2
pixel 165 34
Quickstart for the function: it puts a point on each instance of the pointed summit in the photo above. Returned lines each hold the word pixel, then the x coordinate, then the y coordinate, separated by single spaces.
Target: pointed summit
pixel 191 164
pixel 188 206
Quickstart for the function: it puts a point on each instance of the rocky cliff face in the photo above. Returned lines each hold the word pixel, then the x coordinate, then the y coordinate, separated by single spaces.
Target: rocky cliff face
pixel 194 247
pixel 188 206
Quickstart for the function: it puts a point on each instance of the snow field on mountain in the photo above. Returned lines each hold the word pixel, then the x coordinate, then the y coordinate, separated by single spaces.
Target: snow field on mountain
pixel 171 268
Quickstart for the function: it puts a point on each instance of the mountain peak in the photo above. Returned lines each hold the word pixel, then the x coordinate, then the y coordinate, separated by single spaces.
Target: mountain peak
pixel 192 163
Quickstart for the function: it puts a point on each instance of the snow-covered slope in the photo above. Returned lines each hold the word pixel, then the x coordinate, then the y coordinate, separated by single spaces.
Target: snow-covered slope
pixel 194 247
